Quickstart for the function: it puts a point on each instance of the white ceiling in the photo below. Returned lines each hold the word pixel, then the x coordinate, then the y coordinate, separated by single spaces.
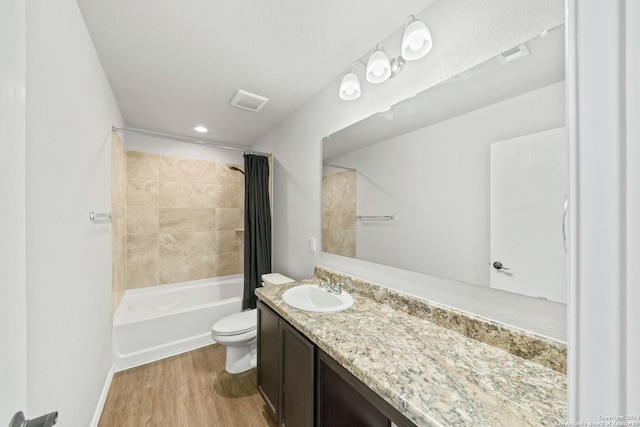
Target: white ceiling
pixel 173 64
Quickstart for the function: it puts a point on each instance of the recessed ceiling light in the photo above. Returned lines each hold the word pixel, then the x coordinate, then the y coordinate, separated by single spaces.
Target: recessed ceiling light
pixel 201 129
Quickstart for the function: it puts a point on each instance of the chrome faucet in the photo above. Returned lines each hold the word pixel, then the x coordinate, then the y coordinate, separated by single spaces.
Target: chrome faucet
pixel 332 289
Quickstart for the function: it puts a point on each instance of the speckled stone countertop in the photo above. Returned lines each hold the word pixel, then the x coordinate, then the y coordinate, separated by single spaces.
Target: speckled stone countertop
pixel 431 374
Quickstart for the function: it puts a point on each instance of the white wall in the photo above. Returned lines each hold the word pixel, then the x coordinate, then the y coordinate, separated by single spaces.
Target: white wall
pixel 632 227
pixel 465 34
pixel 167 147
pixel 70 111
pixel 435 180
pixel 13 367
pixel 604 106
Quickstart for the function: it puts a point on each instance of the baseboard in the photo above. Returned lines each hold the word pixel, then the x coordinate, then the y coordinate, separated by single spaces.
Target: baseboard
pixel 148 355
pixel 103 397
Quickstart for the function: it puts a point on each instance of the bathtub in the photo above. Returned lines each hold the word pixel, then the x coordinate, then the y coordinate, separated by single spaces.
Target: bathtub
pixel 161 321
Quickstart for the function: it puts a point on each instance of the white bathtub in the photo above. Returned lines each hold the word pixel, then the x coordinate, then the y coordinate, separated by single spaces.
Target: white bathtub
pixel 161 321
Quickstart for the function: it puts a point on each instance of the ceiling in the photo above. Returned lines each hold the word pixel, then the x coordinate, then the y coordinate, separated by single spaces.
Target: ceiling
pixel 173 65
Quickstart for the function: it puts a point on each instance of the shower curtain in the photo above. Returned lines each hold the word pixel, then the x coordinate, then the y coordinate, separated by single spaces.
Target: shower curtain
pixel 257 226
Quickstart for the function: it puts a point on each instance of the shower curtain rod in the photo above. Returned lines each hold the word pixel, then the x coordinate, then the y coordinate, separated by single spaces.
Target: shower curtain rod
pixel 189 140
pixel 340 167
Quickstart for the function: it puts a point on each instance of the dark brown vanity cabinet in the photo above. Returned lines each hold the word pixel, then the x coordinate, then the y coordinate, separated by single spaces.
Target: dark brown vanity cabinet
pixel 269 377
pixel 342 400
pixel 304 387
pixel 286 363
pixel 339 403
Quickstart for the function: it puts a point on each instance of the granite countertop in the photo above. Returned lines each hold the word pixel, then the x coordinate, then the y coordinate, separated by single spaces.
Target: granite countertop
pixel 431 374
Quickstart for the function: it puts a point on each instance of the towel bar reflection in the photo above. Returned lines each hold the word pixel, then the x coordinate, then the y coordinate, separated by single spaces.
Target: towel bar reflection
pixel 93 216
pixel 376 217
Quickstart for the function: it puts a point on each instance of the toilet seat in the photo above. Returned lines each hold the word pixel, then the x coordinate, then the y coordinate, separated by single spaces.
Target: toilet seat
pixel 236 324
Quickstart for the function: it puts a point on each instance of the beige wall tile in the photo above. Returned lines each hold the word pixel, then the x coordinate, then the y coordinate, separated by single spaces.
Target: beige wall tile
pixel 348 219
pixel 174 220
pixel 338 213
pixel 229 218
pixel 142 248
pixel 117 220
pixel 118 170
pixel 241 196
pixel 202 171
pixel 118 285
pixel 202 243
pixel 202 219
pixel 203 195
pixel 227 197
pixel 118 288
pixel 174 169
pixel 227 264
pixel 202 266
pixel 173 194
pixel 121 185
pixel 227 176
pixel 139 274
pixel 142 220
pixel 225 242
pixel 142 165
pixel 173 245
pixel 174 270
pixel 179 218
pixel 118 201
pixel 118 253
pixel 142 192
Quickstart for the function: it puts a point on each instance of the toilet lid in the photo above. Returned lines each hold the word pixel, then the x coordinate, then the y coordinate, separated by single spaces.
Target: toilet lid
pixel 238 323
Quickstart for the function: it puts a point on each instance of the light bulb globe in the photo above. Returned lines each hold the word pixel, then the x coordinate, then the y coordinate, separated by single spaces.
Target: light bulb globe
pixel 416 41
pixel 350 87
pixel 378 67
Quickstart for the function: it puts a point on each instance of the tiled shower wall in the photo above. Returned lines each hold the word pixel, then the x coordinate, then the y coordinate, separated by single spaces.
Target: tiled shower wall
pixel 118 199
pixel 174 219
pixel 183 219
pixel 339 213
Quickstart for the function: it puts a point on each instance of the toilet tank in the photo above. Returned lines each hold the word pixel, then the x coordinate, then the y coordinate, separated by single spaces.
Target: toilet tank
pixel 275 279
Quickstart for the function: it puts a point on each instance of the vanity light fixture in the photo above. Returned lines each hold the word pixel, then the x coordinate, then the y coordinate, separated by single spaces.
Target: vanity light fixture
pixel 416 43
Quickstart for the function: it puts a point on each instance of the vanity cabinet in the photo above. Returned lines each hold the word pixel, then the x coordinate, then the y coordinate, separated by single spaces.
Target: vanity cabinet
pixel 298 358
pixel 303 386
pixel 286 364
pixel 339 403
pixel 268 373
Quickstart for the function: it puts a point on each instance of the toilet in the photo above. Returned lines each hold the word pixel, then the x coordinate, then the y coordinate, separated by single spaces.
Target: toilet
pixel 238 332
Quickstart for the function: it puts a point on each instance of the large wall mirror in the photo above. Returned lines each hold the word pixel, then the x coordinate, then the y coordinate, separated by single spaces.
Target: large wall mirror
pixel 467 180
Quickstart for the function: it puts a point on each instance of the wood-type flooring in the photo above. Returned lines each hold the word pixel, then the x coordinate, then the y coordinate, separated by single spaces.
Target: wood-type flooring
pixel 191 389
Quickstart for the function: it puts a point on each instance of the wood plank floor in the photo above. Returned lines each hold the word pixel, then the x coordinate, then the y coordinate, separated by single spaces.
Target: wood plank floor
pixel 191 389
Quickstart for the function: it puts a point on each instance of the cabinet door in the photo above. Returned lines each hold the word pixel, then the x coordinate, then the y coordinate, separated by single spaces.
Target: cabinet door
pixel 342 406
pixel 298 359
pixel 268 372
pixel 344 401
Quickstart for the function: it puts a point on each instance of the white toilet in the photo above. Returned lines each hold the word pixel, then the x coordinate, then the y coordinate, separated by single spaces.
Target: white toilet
pixel 238 332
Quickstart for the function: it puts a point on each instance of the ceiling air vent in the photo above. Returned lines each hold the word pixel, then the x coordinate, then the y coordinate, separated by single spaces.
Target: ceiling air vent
pixel 513 54
pixel 248 101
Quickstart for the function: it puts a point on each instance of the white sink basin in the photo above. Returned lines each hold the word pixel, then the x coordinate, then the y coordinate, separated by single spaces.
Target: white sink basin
pixel 312 298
